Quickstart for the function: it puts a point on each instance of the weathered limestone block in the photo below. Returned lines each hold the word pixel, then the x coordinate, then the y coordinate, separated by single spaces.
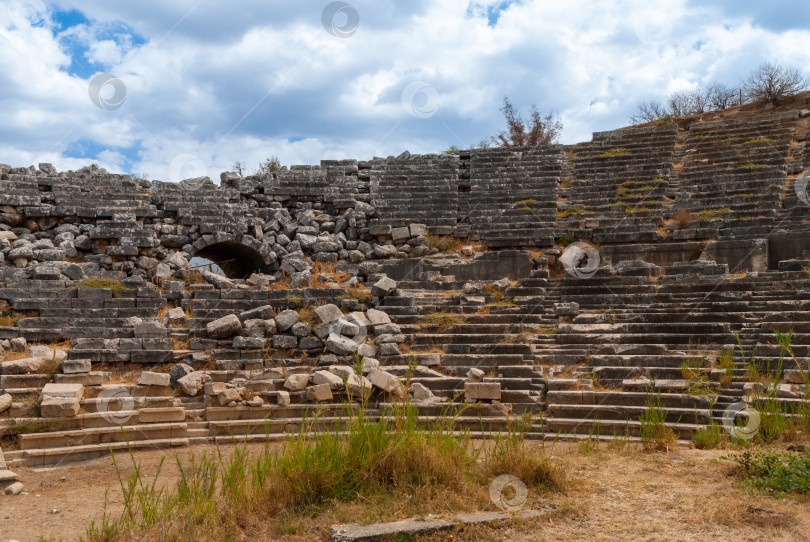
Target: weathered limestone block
pixel 383 287
pixel 475 375
pixel 482 391
pixel 76 366
pixel 282 398
pixel 224 327
pixel 325 377
pixel 385 381
pixel 193 382
pixel 22 366
pixel 377 317
pixel 178 371
pixel 5 402
pixel 229 395
pixel 149 378
pixel 342 346
pixel 59 407
pixel 285 320
pixel 328 313
pixel 566 309
pixel 297 382
pixel 319 393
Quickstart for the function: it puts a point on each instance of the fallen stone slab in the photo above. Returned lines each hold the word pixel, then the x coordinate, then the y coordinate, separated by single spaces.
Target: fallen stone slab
pixel 385 531
pixel 22 366
pixel 149 378
pixel 297 382
pixel 376 532
pixel 385 381
pixel 223 327
pixel 319 392
pixel 325 377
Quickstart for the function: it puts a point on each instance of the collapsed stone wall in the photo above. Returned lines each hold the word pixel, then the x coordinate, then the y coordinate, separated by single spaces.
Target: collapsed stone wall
pixel 728 190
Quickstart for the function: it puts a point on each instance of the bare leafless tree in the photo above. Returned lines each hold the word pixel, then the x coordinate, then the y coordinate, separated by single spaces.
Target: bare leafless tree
pixel 772 82
pixel 719 96
pixel 239 168
pixel 649 112
pixel 687 102
pixel 539 131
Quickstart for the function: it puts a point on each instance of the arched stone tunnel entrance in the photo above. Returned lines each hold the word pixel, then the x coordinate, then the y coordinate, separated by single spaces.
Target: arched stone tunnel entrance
pixel 236 260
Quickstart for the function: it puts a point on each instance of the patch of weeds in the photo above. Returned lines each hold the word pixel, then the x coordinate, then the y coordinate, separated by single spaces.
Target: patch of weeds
pixel 31 427
pixel 655 435
pixel 358 294
pixel 758 140
pixel 712 214
pixel 573 210
pixel 524 203
pixel 444 320
pixel 307 315
pixel 618 151
pixel 775 473
pixel 565 239
pixel 445 243
pixel 114 285
pixel 710 437
pixel 294 301
pixel 221 497
pixel 619 442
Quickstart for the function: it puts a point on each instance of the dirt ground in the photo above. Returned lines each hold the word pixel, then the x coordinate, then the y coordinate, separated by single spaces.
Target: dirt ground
pixel 684 495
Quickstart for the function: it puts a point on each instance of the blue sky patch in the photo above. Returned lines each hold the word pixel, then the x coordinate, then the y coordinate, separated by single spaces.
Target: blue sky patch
pixel 77 34
pixel 491 12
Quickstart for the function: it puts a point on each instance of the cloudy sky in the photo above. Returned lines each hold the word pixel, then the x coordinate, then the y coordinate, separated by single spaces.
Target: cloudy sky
pixel 189 87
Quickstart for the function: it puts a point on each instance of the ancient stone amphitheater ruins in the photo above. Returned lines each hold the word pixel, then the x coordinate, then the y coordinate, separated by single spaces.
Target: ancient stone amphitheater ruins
pixel 564 281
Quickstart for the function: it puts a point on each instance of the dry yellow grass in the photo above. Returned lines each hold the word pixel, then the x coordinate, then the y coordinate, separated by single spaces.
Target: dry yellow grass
pixel 614 494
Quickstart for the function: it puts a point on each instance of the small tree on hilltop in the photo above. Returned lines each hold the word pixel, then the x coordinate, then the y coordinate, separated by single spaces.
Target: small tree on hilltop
pixel 539 131
pixel 772 82
pixel 271 165
pixel 719 96
pixel 649 112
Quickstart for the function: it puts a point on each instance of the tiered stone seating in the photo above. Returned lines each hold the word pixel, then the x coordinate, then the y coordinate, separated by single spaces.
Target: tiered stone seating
pixel 733 180
pixel 417 189
pixel 211 209
pixel 617 185
pixel 513 195
pixel 634 336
